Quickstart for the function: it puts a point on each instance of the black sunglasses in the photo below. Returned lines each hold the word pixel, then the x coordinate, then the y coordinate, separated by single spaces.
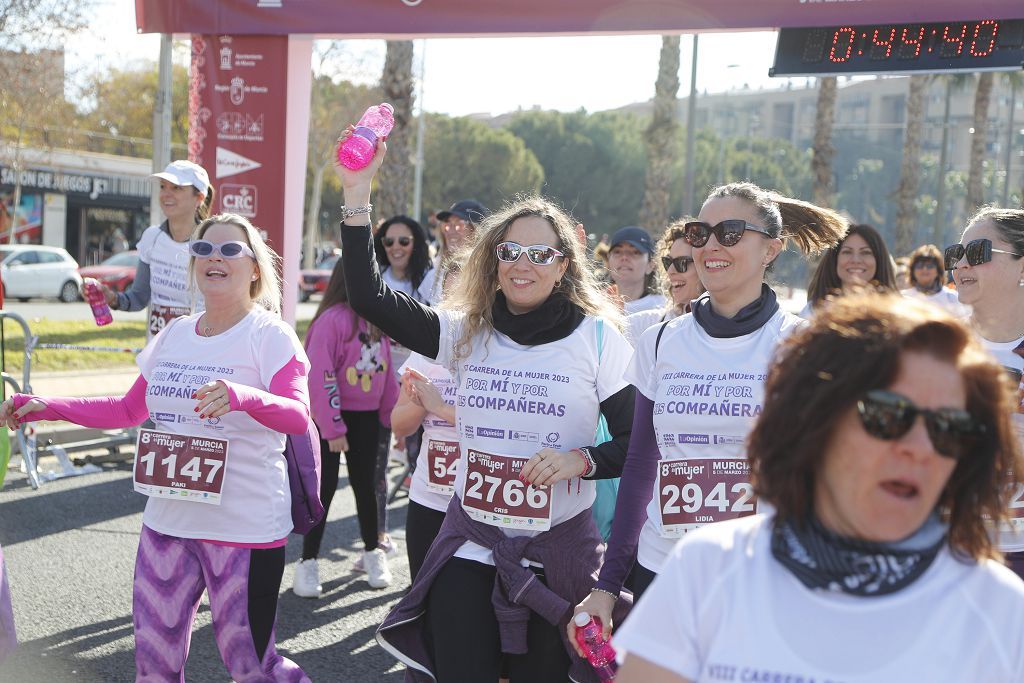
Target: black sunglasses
pixel 977 252
pixel 888 416
pixel 728 232
pixel 681 263
pixel 403 240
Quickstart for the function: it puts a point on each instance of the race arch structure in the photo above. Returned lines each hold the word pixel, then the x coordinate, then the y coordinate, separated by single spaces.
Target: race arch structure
pixel 250 84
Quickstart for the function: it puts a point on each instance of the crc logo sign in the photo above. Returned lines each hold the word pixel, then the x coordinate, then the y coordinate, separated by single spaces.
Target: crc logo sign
pixel 240 199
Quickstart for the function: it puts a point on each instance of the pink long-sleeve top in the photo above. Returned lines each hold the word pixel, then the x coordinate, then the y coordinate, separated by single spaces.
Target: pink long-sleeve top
pixel 348 370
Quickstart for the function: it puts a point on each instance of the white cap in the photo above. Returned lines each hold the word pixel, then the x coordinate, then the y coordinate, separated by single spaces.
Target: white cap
pixel 183 172
pixel 581 619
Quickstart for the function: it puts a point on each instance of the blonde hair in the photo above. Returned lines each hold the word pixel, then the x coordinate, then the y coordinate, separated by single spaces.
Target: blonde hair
pixel 264 290
pixel 478 282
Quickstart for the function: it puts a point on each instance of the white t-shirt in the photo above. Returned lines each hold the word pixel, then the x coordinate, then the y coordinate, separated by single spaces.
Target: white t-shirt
pixel 724 609
pixel 435 429
pixel 170 296
pixel 516 400
pixel 399 354
pixel 707 393
pixel 1010 540
pixel 645 303
pixel 637 322
pixel 255 502
pixel 946 299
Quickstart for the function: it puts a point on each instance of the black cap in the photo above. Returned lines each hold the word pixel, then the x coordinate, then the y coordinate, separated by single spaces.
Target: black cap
pixel 467 209
pixel 638 237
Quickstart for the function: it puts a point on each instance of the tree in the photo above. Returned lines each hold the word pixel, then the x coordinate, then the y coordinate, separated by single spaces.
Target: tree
pixel 906 192
pixel 982 97
pixel 821 161
pixel 465 158
pixel 393 192
pixel 661 138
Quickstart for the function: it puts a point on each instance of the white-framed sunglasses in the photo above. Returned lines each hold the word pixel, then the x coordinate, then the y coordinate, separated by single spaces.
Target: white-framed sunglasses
pixel 539 254
pixel 206 249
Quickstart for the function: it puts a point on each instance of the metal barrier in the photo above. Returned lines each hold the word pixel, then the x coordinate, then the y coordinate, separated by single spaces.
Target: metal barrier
pixel 26 433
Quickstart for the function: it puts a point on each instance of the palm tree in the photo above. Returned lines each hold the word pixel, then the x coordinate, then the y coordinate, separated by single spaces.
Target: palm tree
pixel 1014 80
pixel 394 191
pixel 821 161
pixel 661 138
pixel 982 97
pixel 906 192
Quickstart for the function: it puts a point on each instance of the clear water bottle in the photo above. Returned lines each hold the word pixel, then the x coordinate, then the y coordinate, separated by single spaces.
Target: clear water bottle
pixel 599 651
pixel 358 150
pixel 97 301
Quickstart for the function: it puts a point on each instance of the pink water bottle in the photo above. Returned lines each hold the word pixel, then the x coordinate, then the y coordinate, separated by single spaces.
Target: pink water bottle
pixel 358 150
pixel 600 652
pixel 98 302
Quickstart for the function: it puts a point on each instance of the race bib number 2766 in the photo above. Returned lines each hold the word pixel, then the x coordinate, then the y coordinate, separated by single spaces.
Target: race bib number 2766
pixel 495 495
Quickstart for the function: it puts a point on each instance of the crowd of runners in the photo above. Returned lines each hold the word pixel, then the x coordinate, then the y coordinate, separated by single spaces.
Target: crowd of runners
pixel 639 432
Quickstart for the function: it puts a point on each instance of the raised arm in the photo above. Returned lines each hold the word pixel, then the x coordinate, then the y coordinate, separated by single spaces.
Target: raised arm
pixel 99 412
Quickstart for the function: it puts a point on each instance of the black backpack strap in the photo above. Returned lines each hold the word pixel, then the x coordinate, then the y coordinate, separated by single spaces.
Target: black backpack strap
pixel 657 342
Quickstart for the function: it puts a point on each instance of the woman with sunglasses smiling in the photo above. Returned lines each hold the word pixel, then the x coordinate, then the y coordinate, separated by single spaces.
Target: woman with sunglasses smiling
pixel 883 448
pixel 700 382
pixel 682 282
pixel 534 346
pixel 928 281
pixel 860 259
pixel 404 257
pixel 989 273
pixel 223 388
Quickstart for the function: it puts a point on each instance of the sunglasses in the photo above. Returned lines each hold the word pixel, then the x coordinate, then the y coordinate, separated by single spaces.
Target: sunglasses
pixel 206 249
pixel 681 263
pixel 403 241
pixel 1014 374
pixel 728 232
pixel 977 252
pixel 539 254
pixel 888 416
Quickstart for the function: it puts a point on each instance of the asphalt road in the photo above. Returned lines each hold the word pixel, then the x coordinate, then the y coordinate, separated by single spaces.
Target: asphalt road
pixel 55 310
pixel 70 549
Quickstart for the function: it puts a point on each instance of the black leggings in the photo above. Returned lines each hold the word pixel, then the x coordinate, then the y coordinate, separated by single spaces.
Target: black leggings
pixel 361 460
pixel 464 632
pixel 421 527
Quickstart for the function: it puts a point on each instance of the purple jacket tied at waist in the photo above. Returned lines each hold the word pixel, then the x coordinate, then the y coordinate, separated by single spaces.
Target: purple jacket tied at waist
pixel 571 554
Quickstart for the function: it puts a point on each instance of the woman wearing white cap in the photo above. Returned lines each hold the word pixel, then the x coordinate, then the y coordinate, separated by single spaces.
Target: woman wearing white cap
pixel 161 279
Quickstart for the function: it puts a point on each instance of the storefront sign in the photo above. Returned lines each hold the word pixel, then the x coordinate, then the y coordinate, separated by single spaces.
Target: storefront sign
pixel 73 183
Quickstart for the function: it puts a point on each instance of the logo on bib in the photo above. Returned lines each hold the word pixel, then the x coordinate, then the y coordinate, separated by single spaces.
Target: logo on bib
pixel 490 432
pixel 694 438
pixel 532 437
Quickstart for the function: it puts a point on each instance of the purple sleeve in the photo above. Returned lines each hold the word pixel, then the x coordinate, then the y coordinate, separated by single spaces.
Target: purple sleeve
pixel 389 397
pixel 324 343
pixel 100 412
pixel 285 408
pixel 638 474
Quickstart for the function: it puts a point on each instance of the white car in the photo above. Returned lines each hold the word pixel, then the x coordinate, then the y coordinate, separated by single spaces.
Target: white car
pixel 32 270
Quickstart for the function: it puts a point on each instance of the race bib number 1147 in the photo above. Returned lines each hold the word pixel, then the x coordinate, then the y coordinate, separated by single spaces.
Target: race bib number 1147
pixel 180 467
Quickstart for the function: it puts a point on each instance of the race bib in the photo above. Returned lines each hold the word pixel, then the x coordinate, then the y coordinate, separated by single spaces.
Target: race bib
pixel 692 493
pixel 443 463
pixel 494 494
pixel 159 316
pixel 188 468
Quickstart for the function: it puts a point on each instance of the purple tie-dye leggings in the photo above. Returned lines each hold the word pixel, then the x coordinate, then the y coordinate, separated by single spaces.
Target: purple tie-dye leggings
pixel 171 574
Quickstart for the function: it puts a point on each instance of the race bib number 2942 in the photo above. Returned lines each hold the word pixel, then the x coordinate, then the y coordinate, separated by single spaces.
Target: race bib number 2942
pixel 495 495
pixel 180 467
pixel 692 493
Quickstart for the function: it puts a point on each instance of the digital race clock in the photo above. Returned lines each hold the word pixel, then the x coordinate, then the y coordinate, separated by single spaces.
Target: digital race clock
pixel 982 45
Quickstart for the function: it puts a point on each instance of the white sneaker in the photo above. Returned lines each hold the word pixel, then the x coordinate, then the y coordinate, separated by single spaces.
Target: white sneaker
pixel 306 582
pixel 377 573
pixel 388 545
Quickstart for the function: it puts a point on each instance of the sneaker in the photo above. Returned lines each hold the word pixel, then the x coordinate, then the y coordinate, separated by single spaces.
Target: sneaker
pixel 397 456
pixel 377 573
pixel 388 545
pixel 306 582
pixel 357 566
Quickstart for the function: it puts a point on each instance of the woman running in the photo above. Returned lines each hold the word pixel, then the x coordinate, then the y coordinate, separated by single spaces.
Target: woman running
pixel 223 387
pixel 860 259
pixel 700 384
pixel 161 278
pixel 988 268
pixel 353 388
pixel 521 337
pixel 883 448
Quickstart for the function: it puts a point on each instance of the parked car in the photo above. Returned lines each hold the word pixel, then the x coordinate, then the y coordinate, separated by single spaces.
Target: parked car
pixel 117 272
pixel 33 270
pixel 314 281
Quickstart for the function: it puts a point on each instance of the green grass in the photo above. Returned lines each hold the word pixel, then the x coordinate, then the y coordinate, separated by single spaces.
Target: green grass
pixel 119 334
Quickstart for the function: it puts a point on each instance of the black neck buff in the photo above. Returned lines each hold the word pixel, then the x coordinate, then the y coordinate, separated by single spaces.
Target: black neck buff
pixel 822 559
pixel 750 318
pixel 554 319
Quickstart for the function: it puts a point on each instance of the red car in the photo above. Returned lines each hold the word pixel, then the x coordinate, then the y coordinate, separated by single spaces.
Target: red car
pixel 315 281
pixel 117 272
